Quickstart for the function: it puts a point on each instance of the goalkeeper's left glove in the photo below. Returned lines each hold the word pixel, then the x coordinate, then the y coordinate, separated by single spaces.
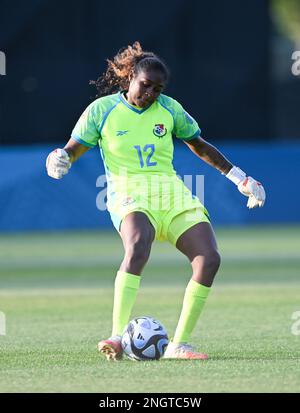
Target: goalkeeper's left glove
pixel 248 187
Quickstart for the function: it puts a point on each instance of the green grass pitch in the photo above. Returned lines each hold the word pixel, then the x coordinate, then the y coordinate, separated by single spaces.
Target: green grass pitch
pixel 56 294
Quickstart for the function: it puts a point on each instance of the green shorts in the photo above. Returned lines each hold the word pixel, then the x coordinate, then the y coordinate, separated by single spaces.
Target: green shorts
pixel 171 212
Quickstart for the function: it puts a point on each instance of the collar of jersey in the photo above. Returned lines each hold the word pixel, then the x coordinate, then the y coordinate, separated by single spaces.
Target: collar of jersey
pixel 134 108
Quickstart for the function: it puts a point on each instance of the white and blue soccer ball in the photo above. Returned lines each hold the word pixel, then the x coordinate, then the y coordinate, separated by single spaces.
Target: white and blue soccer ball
pixel 144 338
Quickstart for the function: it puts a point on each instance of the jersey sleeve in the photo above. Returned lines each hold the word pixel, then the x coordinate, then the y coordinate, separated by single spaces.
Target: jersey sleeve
pixel 86 131
pixel 185 126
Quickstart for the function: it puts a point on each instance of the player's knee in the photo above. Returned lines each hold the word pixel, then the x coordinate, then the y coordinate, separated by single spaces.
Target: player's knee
pixel 208 263
pixel 212 261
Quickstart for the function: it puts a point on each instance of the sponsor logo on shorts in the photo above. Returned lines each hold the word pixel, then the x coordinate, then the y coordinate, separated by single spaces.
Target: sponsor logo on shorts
pixel 128 201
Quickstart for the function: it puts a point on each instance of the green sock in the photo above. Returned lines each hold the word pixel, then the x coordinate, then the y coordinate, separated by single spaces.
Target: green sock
pixel 193 303
pixel 126 288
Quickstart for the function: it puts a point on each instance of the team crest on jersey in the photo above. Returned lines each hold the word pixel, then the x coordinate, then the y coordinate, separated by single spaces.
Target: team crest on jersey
pixel 159 130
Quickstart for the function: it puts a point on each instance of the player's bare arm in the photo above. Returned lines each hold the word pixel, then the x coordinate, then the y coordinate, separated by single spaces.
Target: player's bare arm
pixel 75 150
pixel 209 154
pixel 246 184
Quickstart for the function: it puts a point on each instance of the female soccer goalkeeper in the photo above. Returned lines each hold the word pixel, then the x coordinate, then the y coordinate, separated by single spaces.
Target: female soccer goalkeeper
pixel 133 123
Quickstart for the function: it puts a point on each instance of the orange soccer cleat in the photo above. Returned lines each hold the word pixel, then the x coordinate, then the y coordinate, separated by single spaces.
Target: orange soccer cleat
pixel 111 348
pixel 183 351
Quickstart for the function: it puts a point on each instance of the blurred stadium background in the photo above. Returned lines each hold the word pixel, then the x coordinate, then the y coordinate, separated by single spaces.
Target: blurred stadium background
pixel 230 67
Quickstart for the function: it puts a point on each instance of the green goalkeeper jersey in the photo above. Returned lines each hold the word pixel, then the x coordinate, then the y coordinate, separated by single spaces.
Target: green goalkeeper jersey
pixel 135 143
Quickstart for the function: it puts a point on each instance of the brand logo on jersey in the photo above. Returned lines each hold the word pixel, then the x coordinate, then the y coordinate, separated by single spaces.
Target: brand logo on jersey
pixel 159 130
pixel 122 132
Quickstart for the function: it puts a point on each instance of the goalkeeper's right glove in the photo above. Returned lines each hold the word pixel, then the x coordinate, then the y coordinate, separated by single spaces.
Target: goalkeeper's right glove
pixel 58 163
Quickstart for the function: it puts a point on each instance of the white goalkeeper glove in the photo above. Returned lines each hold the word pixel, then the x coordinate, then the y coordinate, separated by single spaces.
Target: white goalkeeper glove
pixel 248 187
pixel 58 163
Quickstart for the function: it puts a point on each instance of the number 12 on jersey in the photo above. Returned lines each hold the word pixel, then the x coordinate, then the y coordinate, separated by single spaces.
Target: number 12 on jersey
pixel 149 154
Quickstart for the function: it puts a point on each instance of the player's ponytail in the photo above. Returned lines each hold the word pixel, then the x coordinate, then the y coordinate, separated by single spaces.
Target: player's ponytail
pixel 127 62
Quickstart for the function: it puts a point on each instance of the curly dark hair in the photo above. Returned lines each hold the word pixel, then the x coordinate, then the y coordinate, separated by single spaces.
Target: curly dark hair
pixel 128 61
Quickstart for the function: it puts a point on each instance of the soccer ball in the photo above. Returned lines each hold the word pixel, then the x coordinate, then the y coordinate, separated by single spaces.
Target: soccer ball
pixel 144 338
